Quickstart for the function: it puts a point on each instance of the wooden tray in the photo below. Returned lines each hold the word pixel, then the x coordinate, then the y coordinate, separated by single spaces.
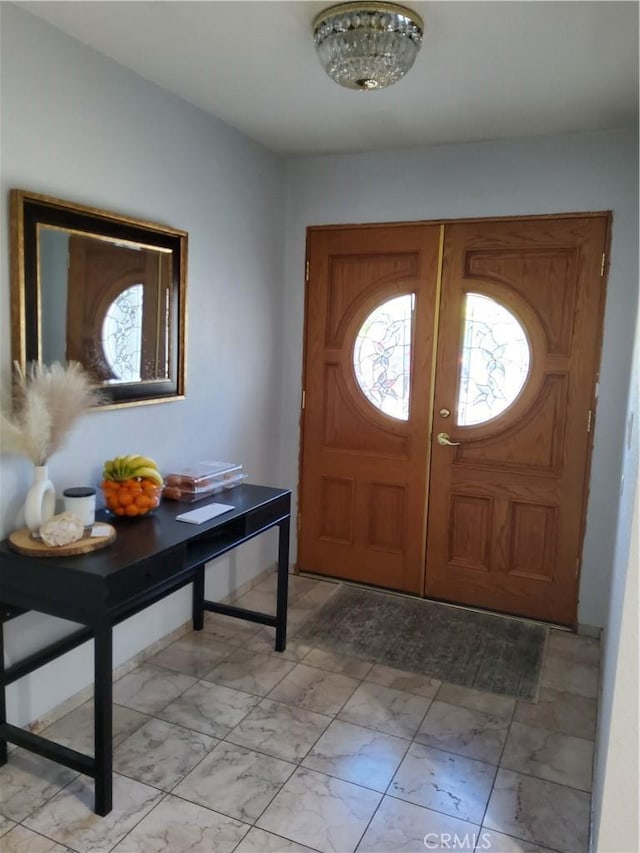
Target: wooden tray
pixel 22 542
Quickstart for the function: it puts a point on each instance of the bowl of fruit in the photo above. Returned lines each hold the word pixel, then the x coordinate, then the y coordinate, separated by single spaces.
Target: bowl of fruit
pixel 131 486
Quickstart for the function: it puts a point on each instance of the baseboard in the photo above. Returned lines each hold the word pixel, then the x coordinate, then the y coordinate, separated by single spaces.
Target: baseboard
pixel 590 631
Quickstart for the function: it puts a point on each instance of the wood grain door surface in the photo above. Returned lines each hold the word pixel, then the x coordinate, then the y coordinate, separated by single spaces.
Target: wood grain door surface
pixel 363 496
pixel 506 504
pixel 494 519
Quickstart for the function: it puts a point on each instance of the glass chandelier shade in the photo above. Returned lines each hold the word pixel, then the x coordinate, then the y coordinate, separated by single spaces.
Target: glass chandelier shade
pixel 367 45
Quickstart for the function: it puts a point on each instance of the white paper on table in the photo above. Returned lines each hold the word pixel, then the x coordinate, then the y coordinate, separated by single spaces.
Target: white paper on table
pixel 204 513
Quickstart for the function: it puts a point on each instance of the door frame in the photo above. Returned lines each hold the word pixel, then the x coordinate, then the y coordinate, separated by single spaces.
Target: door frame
pixel 608 214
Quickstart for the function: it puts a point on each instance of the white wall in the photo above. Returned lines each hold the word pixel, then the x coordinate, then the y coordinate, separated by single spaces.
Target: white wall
pixel 616 784
pixel 578 172
pixel 616 790
pixel 77 126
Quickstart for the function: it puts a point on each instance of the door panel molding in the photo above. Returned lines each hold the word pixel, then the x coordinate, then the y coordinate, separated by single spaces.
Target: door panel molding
pixel 470 523
pixel 342 307
pixel 540 428
pixel 387 516
pixel 336 518
pixel 534 531
pixel 349 426
pixel 542 297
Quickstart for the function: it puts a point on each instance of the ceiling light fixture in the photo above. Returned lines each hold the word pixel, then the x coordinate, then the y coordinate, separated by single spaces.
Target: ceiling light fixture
pixel 367 45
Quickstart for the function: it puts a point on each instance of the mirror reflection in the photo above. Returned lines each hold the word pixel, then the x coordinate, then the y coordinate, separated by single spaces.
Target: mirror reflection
pixel 105 290
pixel 105 304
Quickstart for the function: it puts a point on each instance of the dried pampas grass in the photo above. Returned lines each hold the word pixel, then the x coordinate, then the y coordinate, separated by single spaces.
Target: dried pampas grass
pixel 48 401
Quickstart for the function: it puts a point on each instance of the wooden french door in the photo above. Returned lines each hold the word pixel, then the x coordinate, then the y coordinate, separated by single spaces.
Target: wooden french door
pixel 507 503
pixel 363 497
pixel 478 496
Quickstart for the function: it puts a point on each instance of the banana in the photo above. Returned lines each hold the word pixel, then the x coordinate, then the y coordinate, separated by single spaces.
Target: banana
pixel 110 471
pixel 122 468
pixel 131 466
pixel 132 462
pixel 119 468
pixel 150 474
pixel 143 462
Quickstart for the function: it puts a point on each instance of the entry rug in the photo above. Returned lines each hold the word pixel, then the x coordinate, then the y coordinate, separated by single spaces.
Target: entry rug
pixel 493 653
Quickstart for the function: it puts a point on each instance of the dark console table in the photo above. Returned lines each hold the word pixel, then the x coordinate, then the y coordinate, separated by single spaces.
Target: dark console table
pixel 150 558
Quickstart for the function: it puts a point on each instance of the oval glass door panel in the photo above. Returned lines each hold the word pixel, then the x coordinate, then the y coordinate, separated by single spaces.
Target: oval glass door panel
pixel 382 356
pixel 494 362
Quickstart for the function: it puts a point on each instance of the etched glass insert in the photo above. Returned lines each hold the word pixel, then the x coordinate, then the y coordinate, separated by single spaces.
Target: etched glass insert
pixel 382 356
pixel 122 335
pixel 495 360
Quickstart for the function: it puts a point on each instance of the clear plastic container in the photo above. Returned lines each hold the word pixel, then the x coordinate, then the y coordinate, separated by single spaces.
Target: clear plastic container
pixel 204 478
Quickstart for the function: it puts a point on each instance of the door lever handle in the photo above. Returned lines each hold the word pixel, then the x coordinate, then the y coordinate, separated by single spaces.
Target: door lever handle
pixel 443 439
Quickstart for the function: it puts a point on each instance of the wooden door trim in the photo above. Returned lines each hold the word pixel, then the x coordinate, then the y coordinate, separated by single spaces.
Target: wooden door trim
pixel 432 398
pixel 305 327
pixel 604 275
pixel 589 214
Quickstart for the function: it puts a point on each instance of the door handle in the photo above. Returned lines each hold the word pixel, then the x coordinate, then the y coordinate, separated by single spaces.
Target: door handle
pixel 443 439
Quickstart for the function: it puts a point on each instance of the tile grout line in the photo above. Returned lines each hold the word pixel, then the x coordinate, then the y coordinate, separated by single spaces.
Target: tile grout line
pixel 495 776
pixel 42 834
pixel 297 763
pixel 138 822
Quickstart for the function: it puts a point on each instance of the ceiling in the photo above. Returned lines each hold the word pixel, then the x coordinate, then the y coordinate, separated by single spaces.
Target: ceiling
pixel 487 70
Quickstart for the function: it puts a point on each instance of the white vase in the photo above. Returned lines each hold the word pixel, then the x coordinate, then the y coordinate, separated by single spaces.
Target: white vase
pixel 40 503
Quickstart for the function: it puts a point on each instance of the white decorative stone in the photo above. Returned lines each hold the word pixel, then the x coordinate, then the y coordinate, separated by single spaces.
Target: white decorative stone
pixel 62 529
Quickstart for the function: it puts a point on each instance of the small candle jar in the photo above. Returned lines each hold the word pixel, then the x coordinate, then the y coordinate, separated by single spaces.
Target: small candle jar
pixel 81 501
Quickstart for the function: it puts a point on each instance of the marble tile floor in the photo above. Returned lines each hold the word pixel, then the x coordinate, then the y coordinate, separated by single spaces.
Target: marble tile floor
pixel 224 746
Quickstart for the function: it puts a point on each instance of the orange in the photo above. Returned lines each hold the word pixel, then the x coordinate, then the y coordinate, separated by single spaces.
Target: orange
pixel 125 497
pixel 132 509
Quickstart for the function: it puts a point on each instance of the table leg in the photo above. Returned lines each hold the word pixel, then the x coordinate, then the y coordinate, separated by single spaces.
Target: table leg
pixel 197 614
pixel 283 585
pixel 103 718
pixel 3 699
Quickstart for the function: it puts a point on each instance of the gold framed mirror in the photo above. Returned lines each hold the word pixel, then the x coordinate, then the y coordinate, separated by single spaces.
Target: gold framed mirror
pixel 103 289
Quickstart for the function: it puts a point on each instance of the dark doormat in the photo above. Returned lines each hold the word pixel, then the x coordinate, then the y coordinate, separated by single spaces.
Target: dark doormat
pixel 492 653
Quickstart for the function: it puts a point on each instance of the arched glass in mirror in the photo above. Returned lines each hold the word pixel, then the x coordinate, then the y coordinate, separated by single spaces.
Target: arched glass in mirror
pixel 121 336
pixel 382 356
pixel 494 362
pixel 102 289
